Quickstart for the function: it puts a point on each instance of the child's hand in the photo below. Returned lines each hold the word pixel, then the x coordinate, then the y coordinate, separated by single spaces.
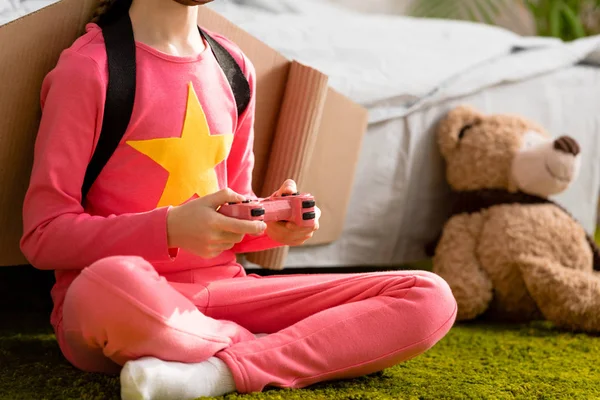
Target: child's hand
pixel 197 227
pixel 288 233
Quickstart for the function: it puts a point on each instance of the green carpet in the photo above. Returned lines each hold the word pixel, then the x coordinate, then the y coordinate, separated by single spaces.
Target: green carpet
pixel 475 361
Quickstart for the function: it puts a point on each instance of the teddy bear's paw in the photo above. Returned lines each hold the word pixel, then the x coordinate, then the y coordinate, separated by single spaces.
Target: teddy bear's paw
pixel 569 298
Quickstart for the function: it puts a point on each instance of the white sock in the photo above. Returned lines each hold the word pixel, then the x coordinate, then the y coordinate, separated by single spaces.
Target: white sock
pixel 152 379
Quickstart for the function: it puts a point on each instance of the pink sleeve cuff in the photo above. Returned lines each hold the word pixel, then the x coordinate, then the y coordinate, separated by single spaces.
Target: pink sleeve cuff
pixel 158 242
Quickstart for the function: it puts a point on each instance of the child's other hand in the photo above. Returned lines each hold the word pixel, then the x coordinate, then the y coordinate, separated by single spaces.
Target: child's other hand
pixel 197 227
pixel 288 233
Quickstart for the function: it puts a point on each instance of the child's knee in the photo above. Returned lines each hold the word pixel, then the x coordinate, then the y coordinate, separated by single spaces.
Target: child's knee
pixel 438 290
pixel 101 289
pixel 426 289
pixel 438 305
pixel 118 268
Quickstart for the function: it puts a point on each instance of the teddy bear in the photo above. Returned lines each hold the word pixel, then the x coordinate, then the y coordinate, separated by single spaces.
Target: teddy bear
pixel 507 251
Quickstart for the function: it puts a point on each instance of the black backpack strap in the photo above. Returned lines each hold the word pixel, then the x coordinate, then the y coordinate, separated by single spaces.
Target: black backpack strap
pixel 120 95
pixel 237 80
pixel 120 92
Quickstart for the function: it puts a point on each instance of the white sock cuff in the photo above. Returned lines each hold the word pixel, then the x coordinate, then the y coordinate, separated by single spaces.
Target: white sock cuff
pixel 226 380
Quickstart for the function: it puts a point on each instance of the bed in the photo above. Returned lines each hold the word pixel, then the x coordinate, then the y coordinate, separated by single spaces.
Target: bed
pixel 409 73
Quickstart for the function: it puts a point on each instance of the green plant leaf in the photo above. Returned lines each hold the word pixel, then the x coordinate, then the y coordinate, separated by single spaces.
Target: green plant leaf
pixel 430 9
pixel 558 18
pixel 474 10
pixel 483 8
pixel 576 27
pixel 534 7
pixel 471 14
pixel 554 19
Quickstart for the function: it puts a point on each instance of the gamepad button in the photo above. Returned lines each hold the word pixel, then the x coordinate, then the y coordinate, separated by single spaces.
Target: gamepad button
pixel 308 215
pixel 308 203
pixel 246 201
pixel 257 212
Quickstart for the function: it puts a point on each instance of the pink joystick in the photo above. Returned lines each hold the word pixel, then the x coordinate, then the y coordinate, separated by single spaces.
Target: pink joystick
pixel 297 208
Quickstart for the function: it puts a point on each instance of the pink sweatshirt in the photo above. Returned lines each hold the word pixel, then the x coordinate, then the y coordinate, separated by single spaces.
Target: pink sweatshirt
pixel 184 141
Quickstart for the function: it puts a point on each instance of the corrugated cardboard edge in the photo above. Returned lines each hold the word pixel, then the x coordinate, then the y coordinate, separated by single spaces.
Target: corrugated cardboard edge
pixel 334 161
pixel 294 141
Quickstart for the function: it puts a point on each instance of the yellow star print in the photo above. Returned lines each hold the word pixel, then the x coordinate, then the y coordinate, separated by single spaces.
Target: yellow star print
pixel 190 159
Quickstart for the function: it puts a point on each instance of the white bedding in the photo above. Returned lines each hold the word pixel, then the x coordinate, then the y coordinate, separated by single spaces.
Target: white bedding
pixel 408 73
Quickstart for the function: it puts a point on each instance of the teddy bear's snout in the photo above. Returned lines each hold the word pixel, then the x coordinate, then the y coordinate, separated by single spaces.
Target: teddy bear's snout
pixel 546 167
pixel 568 145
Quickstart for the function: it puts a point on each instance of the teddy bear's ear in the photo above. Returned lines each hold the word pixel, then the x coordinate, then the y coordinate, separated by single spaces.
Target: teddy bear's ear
pixel 452 124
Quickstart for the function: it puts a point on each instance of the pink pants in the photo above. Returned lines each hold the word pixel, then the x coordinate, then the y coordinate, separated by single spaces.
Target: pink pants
pixel 322 327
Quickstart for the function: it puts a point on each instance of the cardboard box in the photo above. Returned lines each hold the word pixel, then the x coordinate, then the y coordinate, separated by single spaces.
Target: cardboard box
pixel 304 129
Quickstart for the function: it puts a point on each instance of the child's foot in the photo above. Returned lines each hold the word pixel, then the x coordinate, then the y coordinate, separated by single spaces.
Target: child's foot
pixel 152 379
